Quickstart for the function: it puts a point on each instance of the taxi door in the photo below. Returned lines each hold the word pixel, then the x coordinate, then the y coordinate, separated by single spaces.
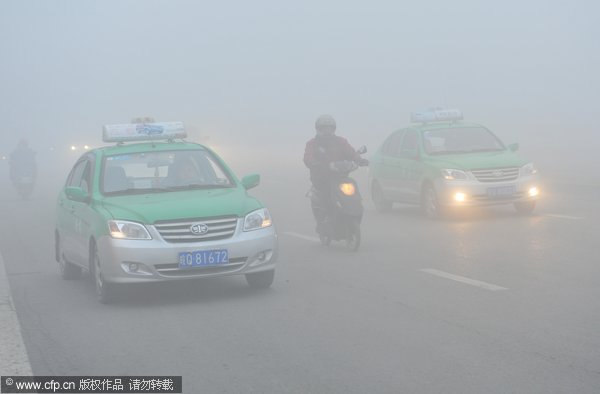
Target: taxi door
pixel 410 167
pixel 70 212
pixel 82 218
pixel 389 175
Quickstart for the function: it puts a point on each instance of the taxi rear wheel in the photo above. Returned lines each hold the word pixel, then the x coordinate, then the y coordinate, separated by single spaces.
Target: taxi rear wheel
pixel 260 280
pixel 67 270
pixel 104 291
pixel 381 204
pixel 525 208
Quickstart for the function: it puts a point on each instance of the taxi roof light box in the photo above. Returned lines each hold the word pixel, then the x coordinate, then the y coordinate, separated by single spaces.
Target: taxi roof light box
pixel 143 131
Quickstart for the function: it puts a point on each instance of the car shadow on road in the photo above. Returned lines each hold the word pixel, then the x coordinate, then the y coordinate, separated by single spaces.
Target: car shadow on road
pixel 472 214
pixel 180 292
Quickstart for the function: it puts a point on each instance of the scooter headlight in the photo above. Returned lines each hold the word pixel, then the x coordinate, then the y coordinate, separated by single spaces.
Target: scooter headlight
pixel 348 188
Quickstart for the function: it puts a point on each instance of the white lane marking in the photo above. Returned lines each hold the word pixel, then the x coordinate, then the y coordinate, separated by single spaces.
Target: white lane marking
pixel 462 279
pixel 555 215
pixel 302 236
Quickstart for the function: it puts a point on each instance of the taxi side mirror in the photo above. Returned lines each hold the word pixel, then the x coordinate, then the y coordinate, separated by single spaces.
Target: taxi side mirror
pixel 76 194
pixel 250 181
pixel 514 147
pixel 362 150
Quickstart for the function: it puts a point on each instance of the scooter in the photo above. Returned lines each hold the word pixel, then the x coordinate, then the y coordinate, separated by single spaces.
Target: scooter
pixel 24 183
pixel 342 209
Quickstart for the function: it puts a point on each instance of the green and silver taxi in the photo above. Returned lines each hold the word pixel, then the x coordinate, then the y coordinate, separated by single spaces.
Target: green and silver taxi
pixel 441 162
pixel 153 207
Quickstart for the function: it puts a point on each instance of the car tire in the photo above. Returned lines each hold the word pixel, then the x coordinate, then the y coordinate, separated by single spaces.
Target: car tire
pixel 525 208
pixel 68 271
pixel 430 204
pixel 105 292
pixel 381 204
pixel 260 280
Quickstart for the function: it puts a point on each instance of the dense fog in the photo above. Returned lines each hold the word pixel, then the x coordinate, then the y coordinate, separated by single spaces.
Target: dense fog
pixel 259 73
pixel 491 299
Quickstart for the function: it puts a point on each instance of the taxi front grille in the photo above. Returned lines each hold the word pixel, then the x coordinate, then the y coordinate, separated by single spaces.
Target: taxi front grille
pixel 496 174
pixel 197 230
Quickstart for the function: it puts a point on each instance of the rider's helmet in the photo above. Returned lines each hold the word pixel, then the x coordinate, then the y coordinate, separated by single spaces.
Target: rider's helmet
pixel 325 125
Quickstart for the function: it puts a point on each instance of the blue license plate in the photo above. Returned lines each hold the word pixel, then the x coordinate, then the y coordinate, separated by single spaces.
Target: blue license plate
pixel 203 258
pixel 501 191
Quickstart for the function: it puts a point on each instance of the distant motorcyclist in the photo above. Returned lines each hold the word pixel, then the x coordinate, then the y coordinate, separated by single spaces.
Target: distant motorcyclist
pixel 322 150
pixel 22 162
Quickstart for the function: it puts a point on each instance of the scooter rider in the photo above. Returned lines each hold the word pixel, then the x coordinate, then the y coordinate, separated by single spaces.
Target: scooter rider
pixel 22 162
pixel 320 152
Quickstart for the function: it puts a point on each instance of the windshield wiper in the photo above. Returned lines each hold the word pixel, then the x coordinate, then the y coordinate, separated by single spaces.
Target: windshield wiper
pixel 138 191
pixel 195 186
pixel 450 152
pixel 486 150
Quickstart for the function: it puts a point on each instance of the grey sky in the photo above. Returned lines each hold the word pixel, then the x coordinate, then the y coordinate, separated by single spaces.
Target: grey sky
pixel 237 69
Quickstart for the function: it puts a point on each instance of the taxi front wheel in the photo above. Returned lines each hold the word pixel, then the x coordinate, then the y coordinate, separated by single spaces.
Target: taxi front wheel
pixel 105 292
pixel 260 280
pixel 430 204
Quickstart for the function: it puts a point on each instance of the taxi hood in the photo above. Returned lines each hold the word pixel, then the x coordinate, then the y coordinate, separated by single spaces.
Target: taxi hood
pixel 149 208
pixel 477 160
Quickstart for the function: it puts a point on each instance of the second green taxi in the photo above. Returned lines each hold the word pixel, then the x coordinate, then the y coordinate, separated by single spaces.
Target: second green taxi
pixel 441 162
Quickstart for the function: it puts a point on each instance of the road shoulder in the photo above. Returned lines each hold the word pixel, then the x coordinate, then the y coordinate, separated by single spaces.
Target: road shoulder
pixel 14 359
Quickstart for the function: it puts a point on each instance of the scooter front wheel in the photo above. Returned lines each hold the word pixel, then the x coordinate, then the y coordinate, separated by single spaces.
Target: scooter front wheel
pixel 353 240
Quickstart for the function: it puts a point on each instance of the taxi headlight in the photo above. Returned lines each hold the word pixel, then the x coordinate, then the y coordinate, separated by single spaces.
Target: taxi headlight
pixel 257 219
pixel 533 191
pixel 454 175
pixel 122 229
pixel 460 197
pixel 528 169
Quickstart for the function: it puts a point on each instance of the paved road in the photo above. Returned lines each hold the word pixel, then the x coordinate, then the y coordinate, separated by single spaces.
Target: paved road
pixel 485 301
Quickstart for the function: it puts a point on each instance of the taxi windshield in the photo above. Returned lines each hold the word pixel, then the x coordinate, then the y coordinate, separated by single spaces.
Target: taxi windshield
pixel 152 172
pixel 460 140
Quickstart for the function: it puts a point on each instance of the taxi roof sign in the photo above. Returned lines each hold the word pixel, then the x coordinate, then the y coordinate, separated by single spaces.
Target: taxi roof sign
pixel 436 115
pixel 143 131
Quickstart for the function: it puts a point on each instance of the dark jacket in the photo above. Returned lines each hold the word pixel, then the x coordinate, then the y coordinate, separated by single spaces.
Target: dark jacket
pixel 22 163
pixel 321 151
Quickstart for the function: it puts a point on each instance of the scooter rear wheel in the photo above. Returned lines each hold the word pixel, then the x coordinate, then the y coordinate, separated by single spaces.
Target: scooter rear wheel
pixel 353 240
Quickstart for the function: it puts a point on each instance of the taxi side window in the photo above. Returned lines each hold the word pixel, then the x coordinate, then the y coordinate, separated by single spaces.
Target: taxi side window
pixel 390 146
pixel 80 176
pixel 409 147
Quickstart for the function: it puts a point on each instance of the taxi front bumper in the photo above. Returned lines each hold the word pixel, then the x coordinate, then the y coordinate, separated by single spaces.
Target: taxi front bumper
pixel 476 193
pixel 156 260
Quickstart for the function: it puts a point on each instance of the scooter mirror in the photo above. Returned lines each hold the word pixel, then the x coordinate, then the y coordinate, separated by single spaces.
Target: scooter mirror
pixel 362 150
